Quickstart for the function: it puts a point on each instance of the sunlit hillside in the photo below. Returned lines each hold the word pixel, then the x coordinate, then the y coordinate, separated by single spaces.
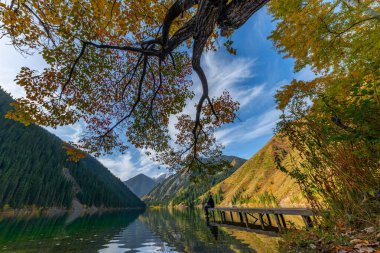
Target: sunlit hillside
pixel 259 183
pixel 179 190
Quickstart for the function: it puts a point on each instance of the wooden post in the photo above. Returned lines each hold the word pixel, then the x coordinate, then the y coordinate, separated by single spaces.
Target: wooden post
pixel 278 223
pixel 283 220
pixel 261 221
pixel 269 221
pixel 221 216
pixel 241 217
pixel 232 218
pixel 307 221
pixel 246 219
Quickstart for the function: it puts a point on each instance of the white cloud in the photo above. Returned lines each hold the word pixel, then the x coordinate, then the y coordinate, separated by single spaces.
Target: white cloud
pixel 246 96
pixel 132 163
pixel 70 133
pixel 121 166
pixel 228 74
pixel 222 74
pixel 11 62
pixel 250 129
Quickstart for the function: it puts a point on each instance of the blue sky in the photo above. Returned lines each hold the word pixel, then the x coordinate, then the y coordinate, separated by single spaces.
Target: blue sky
pixel 252 77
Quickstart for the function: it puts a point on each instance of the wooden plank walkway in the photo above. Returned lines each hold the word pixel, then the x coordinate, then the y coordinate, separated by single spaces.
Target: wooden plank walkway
pixel 262 215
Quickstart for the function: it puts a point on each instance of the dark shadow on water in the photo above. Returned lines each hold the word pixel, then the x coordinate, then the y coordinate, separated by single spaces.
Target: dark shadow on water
pixel 213 229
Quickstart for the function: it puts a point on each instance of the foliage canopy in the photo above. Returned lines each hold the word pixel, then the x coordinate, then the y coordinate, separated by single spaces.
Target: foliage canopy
pixel 122 68
pixel 333 120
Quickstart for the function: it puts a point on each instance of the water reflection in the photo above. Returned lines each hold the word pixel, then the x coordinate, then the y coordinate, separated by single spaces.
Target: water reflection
pixel 133 231
pixel 137 237
pixel 85 234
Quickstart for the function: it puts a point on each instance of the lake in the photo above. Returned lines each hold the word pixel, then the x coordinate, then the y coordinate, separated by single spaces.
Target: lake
pixel 152 230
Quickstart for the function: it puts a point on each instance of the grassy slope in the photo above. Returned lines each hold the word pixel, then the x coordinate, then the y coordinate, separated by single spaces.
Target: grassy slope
pixel 258 182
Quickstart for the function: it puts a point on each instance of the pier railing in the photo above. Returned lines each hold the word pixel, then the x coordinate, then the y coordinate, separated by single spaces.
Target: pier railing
pixel 262 216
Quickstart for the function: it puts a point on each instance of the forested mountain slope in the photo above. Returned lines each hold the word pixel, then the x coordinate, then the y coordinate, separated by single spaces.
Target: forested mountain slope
pixel 179 190
pixel 34 170
pixel 140 184
pixel 259 183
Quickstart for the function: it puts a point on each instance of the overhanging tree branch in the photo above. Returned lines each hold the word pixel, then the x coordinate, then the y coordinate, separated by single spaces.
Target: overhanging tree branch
pixel 206 18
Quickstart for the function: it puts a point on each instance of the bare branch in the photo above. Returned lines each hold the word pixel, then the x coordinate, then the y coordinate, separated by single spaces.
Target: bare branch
pixel 172 58
pixel 137 101
pixel 41 22
pixel 72 69
pixel 125 48
pixel 131 78
pixel 159 86
pixel 212 108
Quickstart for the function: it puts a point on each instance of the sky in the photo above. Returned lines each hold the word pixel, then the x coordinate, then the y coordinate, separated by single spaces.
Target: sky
pixel 252 77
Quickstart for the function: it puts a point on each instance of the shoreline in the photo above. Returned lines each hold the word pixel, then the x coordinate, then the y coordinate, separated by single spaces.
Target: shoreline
pixel 33 211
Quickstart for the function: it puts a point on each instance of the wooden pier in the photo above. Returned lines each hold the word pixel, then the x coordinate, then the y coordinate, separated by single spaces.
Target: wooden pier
pixel 262 216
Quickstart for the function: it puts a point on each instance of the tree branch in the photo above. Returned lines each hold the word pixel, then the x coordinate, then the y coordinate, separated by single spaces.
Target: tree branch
pixel 41 22
pixel 235 14
pixel 137 101
pixel 72 69
pixel 131 78
pixel 205 23
pixel 174 11
pixel 159 86
pixel 147 52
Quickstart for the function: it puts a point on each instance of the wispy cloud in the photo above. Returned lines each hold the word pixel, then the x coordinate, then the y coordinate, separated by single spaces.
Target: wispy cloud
pixel 121 166
pixel 223 73
pixel 70 133
pixel 250 129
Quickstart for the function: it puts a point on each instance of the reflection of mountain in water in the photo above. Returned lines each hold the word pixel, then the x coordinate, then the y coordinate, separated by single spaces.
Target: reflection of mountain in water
pixel 187 231
pixel 137 237
pixel 85 234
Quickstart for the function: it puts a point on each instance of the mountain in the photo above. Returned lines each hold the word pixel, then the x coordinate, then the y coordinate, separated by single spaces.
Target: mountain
pixel 35 171
pixel 140 184
pixel 259 183
pixel 177 189
pixel 160 178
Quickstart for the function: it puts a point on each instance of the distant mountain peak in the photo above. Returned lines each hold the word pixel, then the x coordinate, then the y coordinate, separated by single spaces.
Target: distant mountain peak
pixel 140 175
pixel 140 184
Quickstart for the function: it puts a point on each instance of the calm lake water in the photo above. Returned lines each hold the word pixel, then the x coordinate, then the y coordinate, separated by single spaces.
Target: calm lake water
pixel 160 230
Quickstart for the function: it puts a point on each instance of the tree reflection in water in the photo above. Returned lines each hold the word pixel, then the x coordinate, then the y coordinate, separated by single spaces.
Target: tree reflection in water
pixel 162 230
